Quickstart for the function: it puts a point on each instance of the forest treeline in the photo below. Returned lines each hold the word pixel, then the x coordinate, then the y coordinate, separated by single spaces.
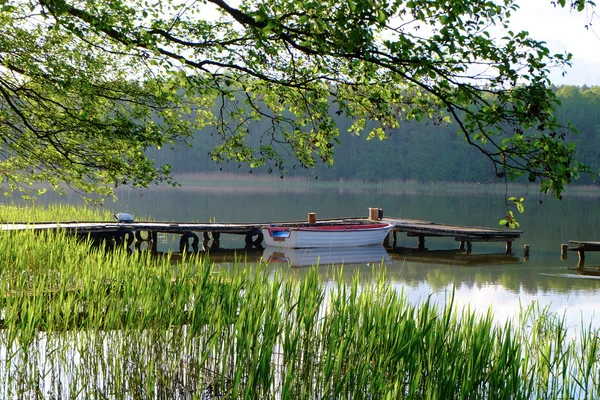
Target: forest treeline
pixel 420 151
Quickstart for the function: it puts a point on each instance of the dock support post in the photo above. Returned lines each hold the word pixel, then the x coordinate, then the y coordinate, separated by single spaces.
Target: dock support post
pixel 462 245
pixel 374 214
pixel 581 261
pixel 563 251
pixel 312 218
pixel 508 246
pixel 154 241
pixel 526 250
pixel 469 247
pixel 386 242
pixel 421 242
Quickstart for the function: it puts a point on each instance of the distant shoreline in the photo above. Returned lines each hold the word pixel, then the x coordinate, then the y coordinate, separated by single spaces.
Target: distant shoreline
pixel 231 182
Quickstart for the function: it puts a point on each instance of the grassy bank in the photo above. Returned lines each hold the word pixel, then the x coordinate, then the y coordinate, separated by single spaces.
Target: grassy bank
pixel 80 323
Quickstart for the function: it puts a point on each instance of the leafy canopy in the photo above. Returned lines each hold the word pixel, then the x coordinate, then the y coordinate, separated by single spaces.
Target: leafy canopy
pixel 87 86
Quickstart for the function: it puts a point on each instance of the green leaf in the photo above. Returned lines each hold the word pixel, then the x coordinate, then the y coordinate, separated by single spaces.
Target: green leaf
pixel 116 84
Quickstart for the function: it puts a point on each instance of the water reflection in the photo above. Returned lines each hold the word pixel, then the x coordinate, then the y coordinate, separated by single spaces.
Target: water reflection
pixel 455 257
pixel 327 256
pixel 591 271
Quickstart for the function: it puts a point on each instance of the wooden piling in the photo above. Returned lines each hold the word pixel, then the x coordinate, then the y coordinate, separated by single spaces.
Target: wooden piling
pixel 563 251
pixel 312 218
pixel 421 242
pixel 526 250
pixel 374 214
pixel 581 261
pixel 508 246
pixel 154 245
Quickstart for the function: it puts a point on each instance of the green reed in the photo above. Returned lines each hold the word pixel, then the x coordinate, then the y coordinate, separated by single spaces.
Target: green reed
pixel 82 323
pixel 52 213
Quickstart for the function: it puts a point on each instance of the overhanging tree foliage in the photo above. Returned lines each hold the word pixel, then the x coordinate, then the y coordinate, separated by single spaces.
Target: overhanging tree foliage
pixel 87 86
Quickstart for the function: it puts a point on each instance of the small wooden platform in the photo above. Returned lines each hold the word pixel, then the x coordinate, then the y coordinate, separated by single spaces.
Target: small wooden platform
pixel 581 246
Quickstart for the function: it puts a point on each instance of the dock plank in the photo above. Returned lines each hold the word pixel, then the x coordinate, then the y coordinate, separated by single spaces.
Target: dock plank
pixel 471 233
pixel 583 245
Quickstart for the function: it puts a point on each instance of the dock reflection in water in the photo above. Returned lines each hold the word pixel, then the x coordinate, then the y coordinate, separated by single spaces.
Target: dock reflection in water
pixel 353 256
pixel 454 257
pixel 327 256
pixel 580 270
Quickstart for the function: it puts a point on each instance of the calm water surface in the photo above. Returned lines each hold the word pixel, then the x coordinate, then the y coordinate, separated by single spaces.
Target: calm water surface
pixel 486 278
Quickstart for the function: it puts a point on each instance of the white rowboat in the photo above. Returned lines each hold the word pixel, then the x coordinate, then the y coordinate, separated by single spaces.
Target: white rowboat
pixel 326 235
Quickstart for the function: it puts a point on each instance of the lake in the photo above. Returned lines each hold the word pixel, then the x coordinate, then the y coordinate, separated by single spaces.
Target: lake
pixel 486 278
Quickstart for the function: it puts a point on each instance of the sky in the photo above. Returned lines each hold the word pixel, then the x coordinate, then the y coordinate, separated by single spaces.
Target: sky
pixel 564 30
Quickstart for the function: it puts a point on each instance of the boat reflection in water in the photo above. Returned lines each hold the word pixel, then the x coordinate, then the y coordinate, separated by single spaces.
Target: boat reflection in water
pixel 327 256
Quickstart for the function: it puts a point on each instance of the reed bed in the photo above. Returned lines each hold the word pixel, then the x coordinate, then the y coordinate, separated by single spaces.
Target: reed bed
pixel 11 213
pixel 82 323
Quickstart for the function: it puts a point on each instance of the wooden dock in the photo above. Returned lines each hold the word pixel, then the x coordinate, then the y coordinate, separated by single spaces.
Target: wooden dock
pixel 466 235
pixel 581 246
pixel 127 232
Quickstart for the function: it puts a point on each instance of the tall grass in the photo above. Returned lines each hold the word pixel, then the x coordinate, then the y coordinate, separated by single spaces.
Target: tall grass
pixel 79 323
pixel 10 213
